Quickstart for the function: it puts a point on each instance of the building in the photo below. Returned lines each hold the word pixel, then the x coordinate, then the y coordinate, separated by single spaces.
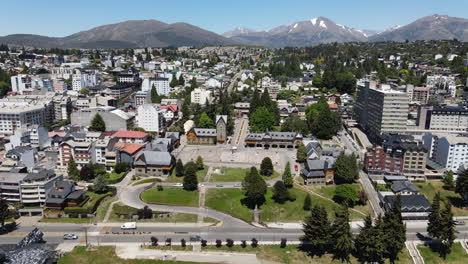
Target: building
pixel 200 96
pixel 20 82
pixel 14 117
pixel 170 112
pixel 404 188
pixel 452 152
pixel 83 80
pixel 202 136
pixel 128 78
pixel 160 84
pixel 36 185
pixel 221 128
pixel 421 95
pixel 380 109
pixel 153 163
pixel 273 140
pixel 449 119
pixel 318 172
pixel 120 90
pixel 142 98
pixel 10 186
pixel 114 119
pixel 150 117
pixel 82 152
pixel 397 156
pixel 413 207
pixel 63 194
pixel 137 137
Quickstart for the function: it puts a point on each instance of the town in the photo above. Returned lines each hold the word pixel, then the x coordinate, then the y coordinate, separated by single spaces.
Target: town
pixel 351 152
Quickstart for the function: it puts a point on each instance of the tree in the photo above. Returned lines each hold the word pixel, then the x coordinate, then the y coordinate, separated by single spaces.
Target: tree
pixel 346 169
pixel 343 242
pixel 199 162
pixel 394 231
pixel 98 124
pixel 100 185
pixel 447 230
pixel 287 177
pixel 301 155
pixel 155 98
pixel 316 231
pixel 254 101
pixel 346 194
pixel 448 181
pixel 254 188
pixel 181 80
pixel 369 243
pixel 266 167
pixel 84 91
pixel 190 179
pixel 205 121
pixel 435 221
pixel 174 82
pixel 280 192
pixel 72 169
pixel 295 124
pixel 179 168
pixel 262 120
pixel 145 213
pixel 87 173
pixel 461 186
pixel 4 213
pixel 121 167
pixel 307 203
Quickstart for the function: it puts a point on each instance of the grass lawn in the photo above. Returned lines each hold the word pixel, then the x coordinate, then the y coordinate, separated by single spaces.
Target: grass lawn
pixel 68 220
pixel 200 176
pixel 172 196
pixel 143 181
pixel 429 188
pixel 113 178
pixel 228 201
pixel 235 175
pixel 457 256
pixel 103 255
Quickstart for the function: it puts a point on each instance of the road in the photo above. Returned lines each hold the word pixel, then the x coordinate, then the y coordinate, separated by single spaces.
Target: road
pixel 234 80
pixel 371 193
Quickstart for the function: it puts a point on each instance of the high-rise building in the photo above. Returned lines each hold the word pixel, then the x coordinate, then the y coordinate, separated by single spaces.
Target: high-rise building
pixel 161 84
pixel 379 109
pixel 150 118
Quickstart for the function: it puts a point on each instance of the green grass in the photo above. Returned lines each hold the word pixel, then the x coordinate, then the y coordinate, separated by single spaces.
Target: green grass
pixel 103 255
pixel 430 188
pixel 143 181
pixel 236 175
pixel 113 178
pixel 200 176
pixel 68 220
pixel 457 256
pixel 228 201
pixel 329 192
pixel 171 196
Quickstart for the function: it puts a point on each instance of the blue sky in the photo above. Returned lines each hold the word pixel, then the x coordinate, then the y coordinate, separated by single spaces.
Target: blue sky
pixel 63 17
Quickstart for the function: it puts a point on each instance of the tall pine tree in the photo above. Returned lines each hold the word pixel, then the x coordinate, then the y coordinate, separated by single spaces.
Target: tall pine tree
pixel 98 124
pixel 316 231
pixel 448 232
pixel 394 231
pixel 343 242
pixel 72 169
pixel 434 224
pixel 287 177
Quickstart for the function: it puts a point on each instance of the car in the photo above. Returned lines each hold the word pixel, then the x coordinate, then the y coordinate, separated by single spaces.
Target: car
pixel 178 185
pixel 296 168
pixel 70 237
pixel 237 185
pixel 195 238
pixel 459 222
pixel 219 185
pixel 128 225
pixel 201 185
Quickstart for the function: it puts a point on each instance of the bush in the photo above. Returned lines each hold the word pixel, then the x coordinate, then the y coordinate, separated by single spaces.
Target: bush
pixel 121 167
pixel 204 243
pixel 243 243
pixel 346 194
pixel 183 243
pixel 145 213
pixel 218 243
pixel 160 188
pixel 89 205
pixel 254 242
pixel 229 242
pixel 283 243
pixel 168 242
pixel 154 241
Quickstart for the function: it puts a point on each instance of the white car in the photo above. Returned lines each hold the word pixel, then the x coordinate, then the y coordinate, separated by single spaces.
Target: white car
pixel 201 185
pixel 178 185
pixel 70 237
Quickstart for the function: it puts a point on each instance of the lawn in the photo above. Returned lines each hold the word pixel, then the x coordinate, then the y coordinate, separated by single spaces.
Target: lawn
pixel 103 255
pixel 329 192
pixel 229 201
pixel 200 176
pixel 429 188
pixel 235 175
pixel 170 196
pixel 457 256
pixel 120 209
pixel 113 178
pixel 143 181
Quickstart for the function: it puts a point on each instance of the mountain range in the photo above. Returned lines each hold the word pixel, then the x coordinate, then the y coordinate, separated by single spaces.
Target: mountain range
pixel 153 33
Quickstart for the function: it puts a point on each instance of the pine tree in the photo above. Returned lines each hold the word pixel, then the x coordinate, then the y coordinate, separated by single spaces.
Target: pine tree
pixel 254 188
pixel 448 181
pixel 205 121
pixel 174 81
pixel 4 213
pixel 343 243
pixel 448 232
pixel 72 169
pixel 254 102
pixel 287 178
pixel 155 98
pixel 199 163
pixel 100 185
pixel 461 186
pixel 434 224
pixel 394 231
pixel 301 155
pixel 190 182
pixel 98 124
pixel 369 243
pixel 346 169
pixel 266 167
pixel 87 173
pixel 179 168
pixel 307 203
pixel 280 192
pixel 316 231
pixel 181 80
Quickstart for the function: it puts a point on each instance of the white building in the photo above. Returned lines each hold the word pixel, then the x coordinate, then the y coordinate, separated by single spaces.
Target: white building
pixel 213 83
pixel 83 80
pixel 12 118
pixel 20 82
pixel 452 152
pixel 200 96
pixel 150 117
pixel 161 85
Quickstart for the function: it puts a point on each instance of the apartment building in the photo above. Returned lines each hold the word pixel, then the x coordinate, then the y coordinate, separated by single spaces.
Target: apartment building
pixel 13 117
pixel 380 109
pixel 150 117
pixel 421 95
pixel 160 84
pixel 448 119
pixel 452 152
pixel 20 82
pixel 83 80
pixel 36 185
pixel 82 152
pixel 141 98
pixel 200 96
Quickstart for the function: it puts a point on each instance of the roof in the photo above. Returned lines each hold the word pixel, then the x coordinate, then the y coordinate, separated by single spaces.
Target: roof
pixel 171 107
pixel 410 203
pixel 400 186
pixel 395 178
pixel 122 114
pixel 205 132
pixel 40 175
pixel 12 177
pixel 273 136
pixel 130 148
pixel 453 140
pixel 423 89
pixel 221 117
pixel 156 158
pixel 129 134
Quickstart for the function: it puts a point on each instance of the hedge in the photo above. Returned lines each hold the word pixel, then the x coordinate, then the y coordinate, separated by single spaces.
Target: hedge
pixel 90 206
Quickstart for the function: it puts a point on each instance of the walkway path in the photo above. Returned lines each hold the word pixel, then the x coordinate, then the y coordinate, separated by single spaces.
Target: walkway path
pixel 201 202
pixel 414 252
pixel 109 211
pixel 208 174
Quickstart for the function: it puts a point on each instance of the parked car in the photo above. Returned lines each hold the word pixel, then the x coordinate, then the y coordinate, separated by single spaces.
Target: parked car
pixel 296 168
pixel 70 237
pixel 219 185
pixel 195 238
pixel 460 222
pixel 129 225
pixel 178 185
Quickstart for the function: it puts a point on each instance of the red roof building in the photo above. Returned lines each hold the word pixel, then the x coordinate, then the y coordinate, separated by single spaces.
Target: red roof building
pixel 127 136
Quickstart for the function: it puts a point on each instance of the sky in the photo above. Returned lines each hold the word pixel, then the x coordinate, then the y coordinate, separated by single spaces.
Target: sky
pixel 59 18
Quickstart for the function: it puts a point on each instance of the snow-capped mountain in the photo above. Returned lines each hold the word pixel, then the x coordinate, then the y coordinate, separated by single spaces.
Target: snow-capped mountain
pixel 302 33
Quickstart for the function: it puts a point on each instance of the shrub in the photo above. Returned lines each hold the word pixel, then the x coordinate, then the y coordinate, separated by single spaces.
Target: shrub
pixel 121 167
pixel 154 241
pixel 254 242
pixel 160 188
pixel 168 242
pixel 229 242
pixel 204 243
pixel 283 243
pixel 243 243
pixel 218 243
pixel 183 243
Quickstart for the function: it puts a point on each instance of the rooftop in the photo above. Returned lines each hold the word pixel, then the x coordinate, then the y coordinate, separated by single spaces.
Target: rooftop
pixel 129 134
